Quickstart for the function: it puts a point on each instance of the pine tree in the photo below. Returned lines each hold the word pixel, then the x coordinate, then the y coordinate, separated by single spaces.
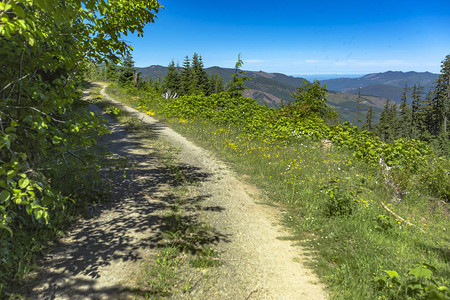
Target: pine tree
pixel 439 110
pixel 172 79
pixel 358 109
pixel 438 106
pixel 186 77
pixel 405 115
pixel 236 86
pixel 427 119
pixel 369 125
pixel 215 84
pixel 126 72
pixel 110 72
pixel 393 129
pixel 444 96
pixel 416 117
pixel 200 77
pixel 383 126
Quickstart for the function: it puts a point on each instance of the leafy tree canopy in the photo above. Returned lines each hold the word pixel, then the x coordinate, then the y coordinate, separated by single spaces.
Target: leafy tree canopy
pixel 44 46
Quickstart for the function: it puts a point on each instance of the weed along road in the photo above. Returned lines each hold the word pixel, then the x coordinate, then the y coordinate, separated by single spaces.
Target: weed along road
pixel 180 224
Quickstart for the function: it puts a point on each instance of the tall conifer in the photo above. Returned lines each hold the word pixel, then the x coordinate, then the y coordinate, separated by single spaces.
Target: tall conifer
pixel 186 77
pixel 405 115
pixel 384 124
pixel 358 109
pixel 416 117
pixel 369 125
pixel 172 79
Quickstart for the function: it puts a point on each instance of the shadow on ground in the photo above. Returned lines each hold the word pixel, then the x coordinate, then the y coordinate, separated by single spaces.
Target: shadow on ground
pixel 124 229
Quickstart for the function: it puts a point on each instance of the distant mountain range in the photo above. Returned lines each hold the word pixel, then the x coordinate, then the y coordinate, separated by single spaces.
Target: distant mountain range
pixel 274 88
pixel 387 85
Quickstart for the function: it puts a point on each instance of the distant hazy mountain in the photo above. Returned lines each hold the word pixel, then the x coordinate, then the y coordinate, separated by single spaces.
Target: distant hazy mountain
pixel 273 88
pixel 387 85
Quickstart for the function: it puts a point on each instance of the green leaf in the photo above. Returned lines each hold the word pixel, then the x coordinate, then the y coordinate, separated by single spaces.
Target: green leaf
pixel 421 272
pixel 392 274
pixel 4 196
pixel 18 10
pixel 7 229
pixel 23 183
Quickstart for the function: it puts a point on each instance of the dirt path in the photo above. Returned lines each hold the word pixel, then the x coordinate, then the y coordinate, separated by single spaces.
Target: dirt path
pixel 100 256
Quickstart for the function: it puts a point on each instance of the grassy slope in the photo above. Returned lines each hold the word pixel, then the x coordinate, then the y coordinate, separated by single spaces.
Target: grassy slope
pixel 352 240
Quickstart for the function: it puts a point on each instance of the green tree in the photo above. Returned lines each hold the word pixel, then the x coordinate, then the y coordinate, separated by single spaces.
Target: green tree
pixel 311 98
pixel 186 77
pixel 45 47
pixel 236 86
pixel 369 124
pixel 383 128
pixel 126 72
pixel 405 119
pixel 200 81
pixel 172 79
pixel 358 109
pixel 416 116
pixel 441 100
pixel 215 84
pixel 392 115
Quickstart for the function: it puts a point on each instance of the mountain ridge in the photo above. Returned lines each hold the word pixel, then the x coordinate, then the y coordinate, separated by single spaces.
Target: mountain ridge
pixel 388 84
pixel 272 89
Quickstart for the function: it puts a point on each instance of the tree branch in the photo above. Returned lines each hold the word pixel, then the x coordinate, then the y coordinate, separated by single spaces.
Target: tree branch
pixel 398 217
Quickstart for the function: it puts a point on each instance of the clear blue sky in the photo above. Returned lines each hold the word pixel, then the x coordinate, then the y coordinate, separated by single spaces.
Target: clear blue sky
pixel 300 37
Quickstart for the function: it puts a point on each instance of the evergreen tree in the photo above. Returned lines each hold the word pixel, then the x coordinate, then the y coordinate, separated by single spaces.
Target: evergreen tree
pixel 441 109
pixel 416 116
pixel 186 77
pixel 172 79
pixel 216 84
pixel 236 86
pixel 383 126
pixel 426 117
pixel 358 109
pixel 393 129
pixel 405 115
pixel 444 94
pixel 438 106
pixel 200 77
pixel 110 72
pixel 126 72
pixel 369 125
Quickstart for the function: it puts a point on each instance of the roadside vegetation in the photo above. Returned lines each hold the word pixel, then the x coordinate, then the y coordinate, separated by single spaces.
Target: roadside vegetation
pixel 373 214
pixel 47 167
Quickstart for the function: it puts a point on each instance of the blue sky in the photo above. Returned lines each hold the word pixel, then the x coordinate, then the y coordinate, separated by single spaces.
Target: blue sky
pixel 300 37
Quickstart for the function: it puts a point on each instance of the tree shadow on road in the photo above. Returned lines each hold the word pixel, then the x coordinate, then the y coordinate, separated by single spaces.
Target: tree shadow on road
pixel 127 227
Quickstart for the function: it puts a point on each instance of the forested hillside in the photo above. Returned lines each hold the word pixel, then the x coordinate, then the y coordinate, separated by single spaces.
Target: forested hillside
pixel 275 89
pixel 387 85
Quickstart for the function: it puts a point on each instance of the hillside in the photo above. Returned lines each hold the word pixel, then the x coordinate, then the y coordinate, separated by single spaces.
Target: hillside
pixel 268 87
pixel 272 89
pixel 387 85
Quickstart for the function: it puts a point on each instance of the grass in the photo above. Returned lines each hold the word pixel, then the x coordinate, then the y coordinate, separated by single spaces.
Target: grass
pixel 316 188
pixel 332 207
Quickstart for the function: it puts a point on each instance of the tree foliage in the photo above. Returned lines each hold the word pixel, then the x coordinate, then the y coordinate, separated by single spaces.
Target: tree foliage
pixel 45 46
pixel 311 97
pixel 192 79
pixel 236 86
